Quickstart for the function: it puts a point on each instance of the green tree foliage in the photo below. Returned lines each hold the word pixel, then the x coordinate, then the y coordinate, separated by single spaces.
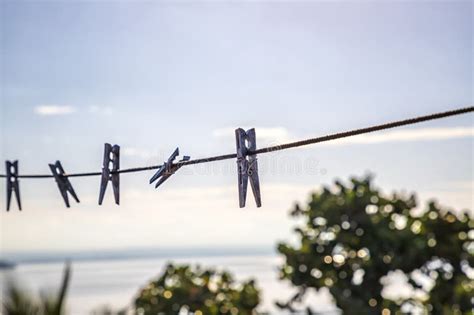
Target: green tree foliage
pixel 197 291
pixel 19 302
pixel 353 236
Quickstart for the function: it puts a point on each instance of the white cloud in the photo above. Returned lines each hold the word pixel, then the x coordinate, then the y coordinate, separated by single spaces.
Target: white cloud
pixel 455 194
pixel 171 215
pixel 410 135
pixel 137 152
pixel 175 215
pixel 280 135
pixel 271 135
pixel 49 110
pixel 100 110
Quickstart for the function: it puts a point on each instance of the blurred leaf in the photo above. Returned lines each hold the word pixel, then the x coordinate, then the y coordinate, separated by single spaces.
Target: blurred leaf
pixel 353 236
pixel 197 291
pixel 20 302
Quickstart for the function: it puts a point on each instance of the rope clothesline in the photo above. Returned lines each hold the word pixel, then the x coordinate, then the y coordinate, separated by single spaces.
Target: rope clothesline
pixel 285 146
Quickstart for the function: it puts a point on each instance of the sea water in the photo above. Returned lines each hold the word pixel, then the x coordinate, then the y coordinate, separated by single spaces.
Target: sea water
pixel 115 281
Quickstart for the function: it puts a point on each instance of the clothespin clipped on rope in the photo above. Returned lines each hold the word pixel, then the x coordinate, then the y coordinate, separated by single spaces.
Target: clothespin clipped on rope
pixel 168 168
pixel 12 183
pixel 110 168
pixel 247 167
pixel 63 182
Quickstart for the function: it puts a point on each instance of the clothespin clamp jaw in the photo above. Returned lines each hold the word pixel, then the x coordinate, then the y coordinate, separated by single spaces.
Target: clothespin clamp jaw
pixel 247 166
pixel 13 185
pixel 63 182
pixel 110 168
pixel 168 168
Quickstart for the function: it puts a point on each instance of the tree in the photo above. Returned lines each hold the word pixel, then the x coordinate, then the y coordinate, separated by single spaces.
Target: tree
pixel 19 302
pixel 197 291
pixel 353 237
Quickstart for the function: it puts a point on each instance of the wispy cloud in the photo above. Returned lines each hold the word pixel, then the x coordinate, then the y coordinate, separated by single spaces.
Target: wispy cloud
pixel 175 208
pixel 50 110
pixel 270 135
pixel 137 152
pixel 278 135
pixel 410 135
pixel 100 110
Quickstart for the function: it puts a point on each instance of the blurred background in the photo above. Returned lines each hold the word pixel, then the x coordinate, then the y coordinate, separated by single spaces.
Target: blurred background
pixel 152 76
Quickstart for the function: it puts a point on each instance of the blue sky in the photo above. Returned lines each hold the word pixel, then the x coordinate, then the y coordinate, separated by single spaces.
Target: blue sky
pixel 151 76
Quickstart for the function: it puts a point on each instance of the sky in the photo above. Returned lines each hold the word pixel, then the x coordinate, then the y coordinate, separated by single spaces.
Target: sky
pixel 152 76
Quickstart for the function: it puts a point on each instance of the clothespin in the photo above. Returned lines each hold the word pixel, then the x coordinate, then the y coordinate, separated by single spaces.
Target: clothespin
pixel 110 168
pixel 13 184
pixel 168 168
pixel 63 182
pixel 247 167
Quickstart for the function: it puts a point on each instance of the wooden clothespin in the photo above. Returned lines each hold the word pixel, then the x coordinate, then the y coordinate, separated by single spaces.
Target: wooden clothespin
pixel 63 182
pixel 110 170
pixel 168 168
pixel 247 166
pixel 13 184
